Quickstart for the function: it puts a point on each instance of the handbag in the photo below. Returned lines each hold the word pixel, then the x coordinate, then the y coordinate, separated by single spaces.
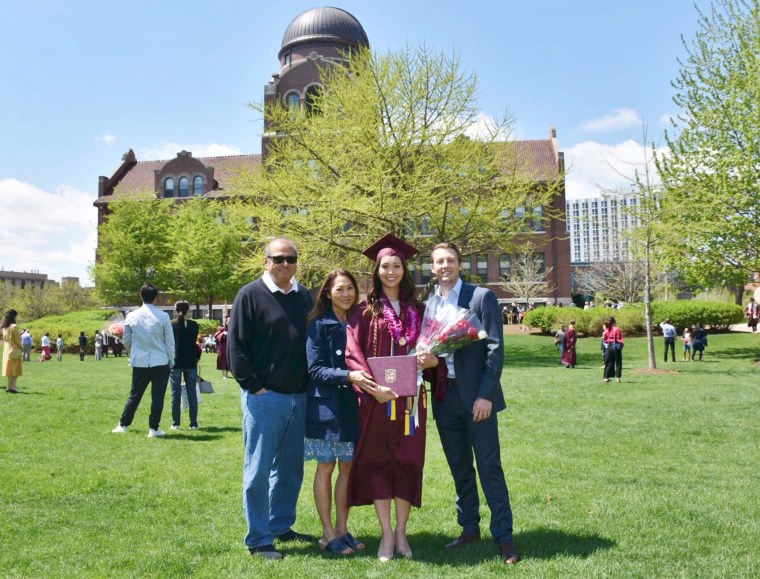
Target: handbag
pixel 617 346
pixel 205 386
pixel 14 355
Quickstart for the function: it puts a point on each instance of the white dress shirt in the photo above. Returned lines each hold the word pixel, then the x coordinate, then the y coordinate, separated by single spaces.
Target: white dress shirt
pixel 451 298
pixel 273 287
pixel 149 337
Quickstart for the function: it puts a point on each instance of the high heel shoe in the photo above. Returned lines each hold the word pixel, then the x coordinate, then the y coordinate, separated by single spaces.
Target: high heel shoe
pixel 381 556
pixel 405 554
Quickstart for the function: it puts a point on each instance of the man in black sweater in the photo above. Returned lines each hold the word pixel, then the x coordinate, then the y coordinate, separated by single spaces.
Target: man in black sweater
pixel 266 351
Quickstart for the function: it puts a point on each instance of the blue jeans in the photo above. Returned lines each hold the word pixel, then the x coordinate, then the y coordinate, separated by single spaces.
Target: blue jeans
pixel 191 379
pixel 273 433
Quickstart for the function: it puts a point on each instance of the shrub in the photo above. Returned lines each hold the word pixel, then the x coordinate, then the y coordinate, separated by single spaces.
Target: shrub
pixel 716 315
pixel 206 326
pixel 69 325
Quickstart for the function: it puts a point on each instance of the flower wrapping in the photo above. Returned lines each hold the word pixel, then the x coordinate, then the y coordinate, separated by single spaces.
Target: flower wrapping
pixel 116 329
pixel 446 328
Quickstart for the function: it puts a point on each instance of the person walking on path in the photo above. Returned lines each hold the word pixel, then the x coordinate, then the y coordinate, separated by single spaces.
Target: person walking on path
pixel 149 337
pixel 466 416
pixel 670 333
pixel 13 351
pixel 266 352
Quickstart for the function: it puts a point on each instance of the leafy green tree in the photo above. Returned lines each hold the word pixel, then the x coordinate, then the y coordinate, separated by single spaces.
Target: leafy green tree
pixel 711 175
pixel 7 297
pixel 73 298
pixel 210 240
pixel 394 143
pixel 134 248
pixel 35 302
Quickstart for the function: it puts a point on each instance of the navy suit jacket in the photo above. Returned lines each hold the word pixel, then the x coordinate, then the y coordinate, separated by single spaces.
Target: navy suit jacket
pixel 478 366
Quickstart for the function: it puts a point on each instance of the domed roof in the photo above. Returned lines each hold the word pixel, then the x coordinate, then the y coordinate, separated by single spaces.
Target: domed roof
pixel 325 23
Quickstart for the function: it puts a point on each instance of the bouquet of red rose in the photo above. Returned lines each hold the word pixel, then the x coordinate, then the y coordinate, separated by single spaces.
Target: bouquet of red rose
pixel 116 329
pixel 446 327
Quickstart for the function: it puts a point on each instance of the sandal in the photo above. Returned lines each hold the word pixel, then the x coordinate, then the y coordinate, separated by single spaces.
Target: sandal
pixel 351 541
pixel 336 547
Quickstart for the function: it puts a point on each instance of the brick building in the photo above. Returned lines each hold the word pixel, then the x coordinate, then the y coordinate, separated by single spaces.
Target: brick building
pixel 314 39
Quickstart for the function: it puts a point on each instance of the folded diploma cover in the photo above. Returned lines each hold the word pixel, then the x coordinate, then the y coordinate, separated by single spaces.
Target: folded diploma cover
pixel 399 373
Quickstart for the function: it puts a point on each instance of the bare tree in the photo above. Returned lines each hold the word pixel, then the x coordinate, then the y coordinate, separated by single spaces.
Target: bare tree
pixel 528 277
pixel 622 280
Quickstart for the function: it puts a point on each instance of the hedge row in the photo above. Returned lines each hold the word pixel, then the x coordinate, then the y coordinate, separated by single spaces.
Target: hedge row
pixel 69 325
pixel 89 322
pixel 630 319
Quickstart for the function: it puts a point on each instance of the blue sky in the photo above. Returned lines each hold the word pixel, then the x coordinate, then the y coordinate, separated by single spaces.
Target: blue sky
pixel 84 81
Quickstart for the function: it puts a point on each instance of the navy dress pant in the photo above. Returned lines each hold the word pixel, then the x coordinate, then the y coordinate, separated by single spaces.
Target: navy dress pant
pixel 462 440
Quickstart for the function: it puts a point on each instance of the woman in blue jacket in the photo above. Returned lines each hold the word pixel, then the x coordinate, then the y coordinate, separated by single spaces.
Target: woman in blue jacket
pixel 332 410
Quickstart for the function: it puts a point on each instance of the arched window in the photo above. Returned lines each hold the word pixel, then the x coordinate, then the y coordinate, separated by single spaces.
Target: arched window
pixel 311 96
pixel 169 187
pixel 198 186
pixel 184 186
pixel 292 100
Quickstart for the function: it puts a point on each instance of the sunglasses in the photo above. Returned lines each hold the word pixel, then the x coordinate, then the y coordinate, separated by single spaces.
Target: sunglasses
pixel 279 259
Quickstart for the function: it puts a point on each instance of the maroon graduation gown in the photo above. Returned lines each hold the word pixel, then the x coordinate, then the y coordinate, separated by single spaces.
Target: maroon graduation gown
pixel 387 464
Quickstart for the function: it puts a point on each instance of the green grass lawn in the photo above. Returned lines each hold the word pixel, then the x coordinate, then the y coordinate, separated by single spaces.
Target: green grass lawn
pixel 655 476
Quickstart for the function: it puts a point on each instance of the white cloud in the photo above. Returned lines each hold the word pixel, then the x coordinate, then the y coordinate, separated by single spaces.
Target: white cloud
pixel 108 140
pixel 619 119
pixel 51 232
pixel 166 151
pixel 593 166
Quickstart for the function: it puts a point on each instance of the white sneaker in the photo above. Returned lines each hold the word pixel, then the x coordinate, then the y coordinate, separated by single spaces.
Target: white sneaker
pixel 120 429
pixel 175 427
pixel 193 428
pixel 156 433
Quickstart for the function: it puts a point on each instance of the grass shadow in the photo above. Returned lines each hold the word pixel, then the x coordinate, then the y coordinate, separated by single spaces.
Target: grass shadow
pixel 540 543
pixel 543 543
pixel 193 437
pixel 222 429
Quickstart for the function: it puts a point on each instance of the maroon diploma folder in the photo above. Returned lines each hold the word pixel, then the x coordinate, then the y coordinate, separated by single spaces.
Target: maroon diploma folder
pixel 399 373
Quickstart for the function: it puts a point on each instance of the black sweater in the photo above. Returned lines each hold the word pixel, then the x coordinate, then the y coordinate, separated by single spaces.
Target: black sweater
pixel 266 343
pixel 185 346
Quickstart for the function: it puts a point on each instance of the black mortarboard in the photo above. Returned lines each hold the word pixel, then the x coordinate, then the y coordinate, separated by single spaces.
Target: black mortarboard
pixel 390 245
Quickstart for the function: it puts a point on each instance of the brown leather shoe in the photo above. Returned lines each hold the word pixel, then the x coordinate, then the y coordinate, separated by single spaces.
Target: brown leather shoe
pixel 461 541
pixel 509 553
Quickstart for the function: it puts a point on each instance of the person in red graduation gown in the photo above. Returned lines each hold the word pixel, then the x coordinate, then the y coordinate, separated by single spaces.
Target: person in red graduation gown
pixel 390 452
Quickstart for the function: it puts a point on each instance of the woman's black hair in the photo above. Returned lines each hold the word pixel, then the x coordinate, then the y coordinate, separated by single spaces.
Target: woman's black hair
pixel 10 318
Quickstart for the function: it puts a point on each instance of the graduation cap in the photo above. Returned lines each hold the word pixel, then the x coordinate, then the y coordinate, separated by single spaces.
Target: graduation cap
pixel 390 245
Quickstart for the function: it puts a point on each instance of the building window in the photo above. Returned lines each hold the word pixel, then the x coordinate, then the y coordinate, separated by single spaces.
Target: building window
pixel 505 266
pixel 466 267
pixel 292 100
pixel 481 267
pixel 538 219
pixel 198 186
pixel 312 94
pixel 540 260
pixel 184 186
pixel 425 272
pixel 169 187
pixel 286 58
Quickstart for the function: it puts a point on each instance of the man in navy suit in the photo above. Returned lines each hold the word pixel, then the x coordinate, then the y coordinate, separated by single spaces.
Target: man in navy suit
pixel 467 416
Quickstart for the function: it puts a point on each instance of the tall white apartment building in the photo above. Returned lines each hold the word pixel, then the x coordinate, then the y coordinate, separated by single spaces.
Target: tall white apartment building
pixel 595 225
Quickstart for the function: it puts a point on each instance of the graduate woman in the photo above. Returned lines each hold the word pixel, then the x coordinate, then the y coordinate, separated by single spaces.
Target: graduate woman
pixel 390 453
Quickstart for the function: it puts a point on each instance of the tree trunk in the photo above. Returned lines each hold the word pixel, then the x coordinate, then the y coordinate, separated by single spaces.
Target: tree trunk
pixel 738 295
pixel 648 313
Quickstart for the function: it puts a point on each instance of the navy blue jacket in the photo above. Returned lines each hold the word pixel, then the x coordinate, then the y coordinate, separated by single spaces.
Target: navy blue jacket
pixel 478 366
pixel 332 407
